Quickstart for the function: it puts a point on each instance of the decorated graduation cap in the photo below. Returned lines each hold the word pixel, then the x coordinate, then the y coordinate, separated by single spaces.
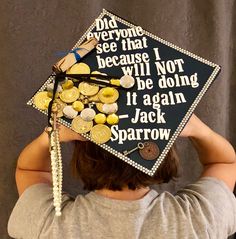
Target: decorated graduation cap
pixel 126 90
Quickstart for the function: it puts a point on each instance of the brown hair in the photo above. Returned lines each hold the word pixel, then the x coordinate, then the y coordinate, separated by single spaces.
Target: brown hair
pixel 98 169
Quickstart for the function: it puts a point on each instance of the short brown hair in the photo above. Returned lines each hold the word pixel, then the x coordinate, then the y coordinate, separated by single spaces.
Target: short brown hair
pixel 98 169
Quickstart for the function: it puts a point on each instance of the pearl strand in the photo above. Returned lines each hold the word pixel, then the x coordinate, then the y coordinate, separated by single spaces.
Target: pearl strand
pixel 56 164
pixel 60 171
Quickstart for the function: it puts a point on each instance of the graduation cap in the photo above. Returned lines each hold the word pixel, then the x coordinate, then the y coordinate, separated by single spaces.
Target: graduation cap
pixel 127 90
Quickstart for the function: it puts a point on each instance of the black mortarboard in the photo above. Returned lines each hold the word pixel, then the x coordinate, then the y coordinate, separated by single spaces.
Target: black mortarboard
pixel 168 82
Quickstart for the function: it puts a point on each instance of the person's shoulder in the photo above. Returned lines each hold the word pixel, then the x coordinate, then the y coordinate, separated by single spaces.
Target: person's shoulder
pixel 207 186
pixel 41 192
pixel 210 200
pixel 207 194
pixel 37 192
pixel 38 187
pixel 34 206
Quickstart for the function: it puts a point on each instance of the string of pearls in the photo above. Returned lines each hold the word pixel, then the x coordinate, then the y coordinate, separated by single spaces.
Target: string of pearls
pixel 57 172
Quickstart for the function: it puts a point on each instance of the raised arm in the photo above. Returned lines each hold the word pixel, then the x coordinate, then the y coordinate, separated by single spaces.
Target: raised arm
pixel 34 165
pixel 215 153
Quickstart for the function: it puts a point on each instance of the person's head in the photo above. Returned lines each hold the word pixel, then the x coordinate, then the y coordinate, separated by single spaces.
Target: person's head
pixel 98 169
